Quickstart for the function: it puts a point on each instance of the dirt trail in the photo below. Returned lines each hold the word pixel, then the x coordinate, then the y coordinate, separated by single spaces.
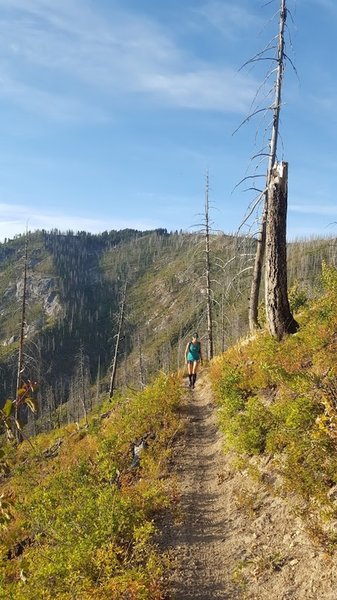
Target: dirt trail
pixel 196 541
pixel 234 537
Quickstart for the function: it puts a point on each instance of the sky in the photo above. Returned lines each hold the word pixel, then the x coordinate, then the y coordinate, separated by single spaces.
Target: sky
pixel 113 111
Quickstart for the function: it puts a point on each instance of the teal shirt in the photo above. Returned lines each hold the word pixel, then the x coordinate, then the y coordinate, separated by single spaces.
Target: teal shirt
pixel 193 351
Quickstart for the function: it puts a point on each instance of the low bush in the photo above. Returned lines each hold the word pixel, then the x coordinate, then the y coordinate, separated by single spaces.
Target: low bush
pixel 281 399
pixel 82 523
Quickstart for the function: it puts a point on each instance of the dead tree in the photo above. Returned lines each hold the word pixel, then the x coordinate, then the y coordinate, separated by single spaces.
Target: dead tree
pixel 23 320
pixel 20 367
pixel 117 341
pixel 275 191
pixel 98 380
pixel 261 241
pixel 140 362
pixel 279 317
pixel 208 274
pixel 82 382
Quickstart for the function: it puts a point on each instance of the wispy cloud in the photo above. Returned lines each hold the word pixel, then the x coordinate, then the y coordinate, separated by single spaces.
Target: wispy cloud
pixel 15 218
pixel 222 90
pixel 229 18
pixel 57 55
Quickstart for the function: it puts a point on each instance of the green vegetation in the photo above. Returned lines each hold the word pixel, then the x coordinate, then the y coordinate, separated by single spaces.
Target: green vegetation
pixel 280 399
pixel 74 289
pixel 77 519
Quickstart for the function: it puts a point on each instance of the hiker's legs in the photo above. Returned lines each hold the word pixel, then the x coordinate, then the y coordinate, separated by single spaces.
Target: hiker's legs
pixel 194 372
pixel 190 372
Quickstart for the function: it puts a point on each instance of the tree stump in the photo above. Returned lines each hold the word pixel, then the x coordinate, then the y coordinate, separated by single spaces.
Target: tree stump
pixel 278 314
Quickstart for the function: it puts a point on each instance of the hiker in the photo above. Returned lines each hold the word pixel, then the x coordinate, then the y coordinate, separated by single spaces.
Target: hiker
pixel 193 358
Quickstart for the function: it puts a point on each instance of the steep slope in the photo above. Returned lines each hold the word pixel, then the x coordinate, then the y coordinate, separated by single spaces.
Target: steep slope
pixel 257 522
pixel 278 411
pixel 235 532
pixel 77 507
pixel 74 289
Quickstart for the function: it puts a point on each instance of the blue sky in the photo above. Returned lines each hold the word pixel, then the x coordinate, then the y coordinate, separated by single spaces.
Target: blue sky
pixel 113 110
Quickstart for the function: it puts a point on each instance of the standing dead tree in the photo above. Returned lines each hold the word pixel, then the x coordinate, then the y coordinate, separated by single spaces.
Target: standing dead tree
pixel 279 318
pixel 22 327
pixel 80 387
pixel 209 299
pixel 117 340
pixel 9 414
pixel 203 254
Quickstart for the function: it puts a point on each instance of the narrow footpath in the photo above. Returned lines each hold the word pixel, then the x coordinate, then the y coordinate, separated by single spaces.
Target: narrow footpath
pixel 234 535
pixel 196 541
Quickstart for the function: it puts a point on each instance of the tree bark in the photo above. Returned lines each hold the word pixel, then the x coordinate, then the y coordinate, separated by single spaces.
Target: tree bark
pixel 278 314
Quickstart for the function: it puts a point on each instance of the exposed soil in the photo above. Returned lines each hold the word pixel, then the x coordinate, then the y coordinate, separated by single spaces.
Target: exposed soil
pixel 230 537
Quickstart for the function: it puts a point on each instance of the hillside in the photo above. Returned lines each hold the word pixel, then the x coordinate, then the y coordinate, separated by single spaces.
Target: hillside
pixel 169 493
pixel 77 507
pixel 74 291
pixel 278 412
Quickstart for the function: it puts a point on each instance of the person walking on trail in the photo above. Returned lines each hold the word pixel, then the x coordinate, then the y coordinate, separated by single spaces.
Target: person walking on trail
pixel 193 357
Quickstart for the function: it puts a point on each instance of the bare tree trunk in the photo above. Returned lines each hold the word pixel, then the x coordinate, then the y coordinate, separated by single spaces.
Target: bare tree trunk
pixel 279 317
pixel 261 243
pixel 118 337
pixel 179 349
pixel 98 380
pixel 223 322
pixel 208 275
pixel 18 436
pixel 83 372
pixel 257 274
pixel 141 363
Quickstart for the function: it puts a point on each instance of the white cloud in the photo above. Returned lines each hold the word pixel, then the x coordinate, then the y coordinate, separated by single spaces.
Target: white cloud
pixel 71 52
pixel 15 218
pixel 229 18
pixel 222 90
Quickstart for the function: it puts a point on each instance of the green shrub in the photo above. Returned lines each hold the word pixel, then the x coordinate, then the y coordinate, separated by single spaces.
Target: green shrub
pixel 281 399
pixel 246 431
pixel 86 517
